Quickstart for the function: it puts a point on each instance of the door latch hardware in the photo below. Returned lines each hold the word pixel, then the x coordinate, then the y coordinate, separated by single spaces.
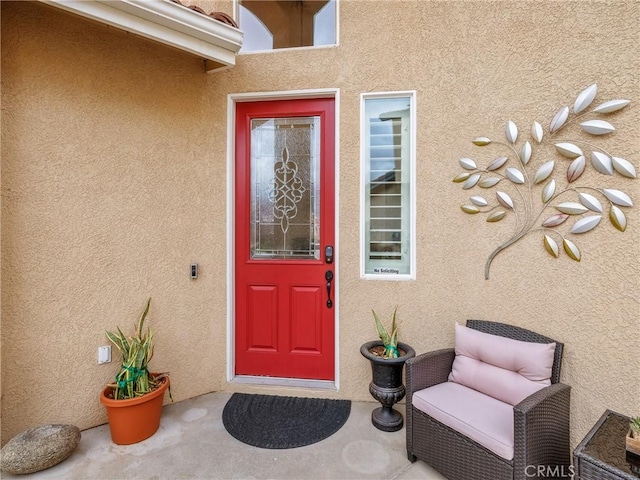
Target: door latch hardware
pixel 329 277
pixel 328 254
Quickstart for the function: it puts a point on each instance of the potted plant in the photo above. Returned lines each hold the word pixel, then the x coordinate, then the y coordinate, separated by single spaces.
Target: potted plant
pixel 632 441
pixel 387 357
pixel 134 400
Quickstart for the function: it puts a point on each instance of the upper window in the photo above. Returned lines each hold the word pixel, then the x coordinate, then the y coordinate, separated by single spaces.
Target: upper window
pixel 286 24
pixel 388 185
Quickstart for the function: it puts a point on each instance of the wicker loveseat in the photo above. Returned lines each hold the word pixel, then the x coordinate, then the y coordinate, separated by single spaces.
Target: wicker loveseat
pixel 526 436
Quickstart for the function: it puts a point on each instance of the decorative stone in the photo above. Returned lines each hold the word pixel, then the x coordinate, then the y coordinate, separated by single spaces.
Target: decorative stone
pixel 38 448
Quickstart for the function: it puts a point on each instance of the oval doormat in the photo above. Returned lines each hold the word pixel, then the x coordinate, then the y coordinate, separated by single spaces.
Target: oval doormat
pixel 268 421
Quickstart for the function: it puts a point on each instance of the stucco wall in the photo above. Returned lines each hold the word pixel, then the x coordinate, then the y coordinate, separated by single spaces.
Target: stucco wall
pixel 114 180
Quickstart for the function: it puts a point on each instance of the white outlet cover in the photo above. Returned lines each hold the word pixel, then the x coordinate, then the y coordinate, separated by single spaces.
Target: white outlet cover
pixel 104 354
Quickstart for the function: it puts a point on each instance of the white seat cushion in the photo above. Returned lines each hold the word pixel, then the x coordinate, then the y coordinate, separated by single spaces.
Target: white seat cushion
pixel 483 419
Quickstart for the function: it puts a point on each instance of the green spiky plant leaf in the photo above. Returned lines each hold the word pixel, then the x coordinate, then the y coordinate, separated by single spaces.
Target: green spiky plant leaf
pixel 389 337
pixel 634 424
pixel 133 379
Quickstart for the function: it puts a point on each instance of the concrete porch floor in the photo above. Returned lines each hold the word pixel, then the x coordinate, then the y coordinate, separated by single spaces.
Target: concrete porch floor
pixel 192 443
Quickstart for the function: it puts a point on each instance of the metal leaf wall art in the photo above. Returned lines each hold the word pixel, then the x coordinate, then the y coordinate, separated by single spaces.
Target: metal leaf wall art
pixel 526 187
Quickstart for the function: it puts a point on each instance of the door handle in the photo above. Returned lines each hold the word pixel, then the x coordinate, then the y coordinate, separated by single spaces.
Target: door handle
pixel 328 276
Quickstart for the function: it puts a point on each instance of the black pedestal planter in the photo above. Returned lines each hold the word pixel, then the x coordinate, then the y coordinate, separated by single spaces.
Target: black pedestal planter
pixel 386 385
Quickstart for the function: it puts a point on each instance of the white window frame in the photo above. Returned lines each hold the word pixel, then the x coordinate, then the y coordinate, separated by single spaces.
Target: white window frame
pixel 364 187
pixel 236 15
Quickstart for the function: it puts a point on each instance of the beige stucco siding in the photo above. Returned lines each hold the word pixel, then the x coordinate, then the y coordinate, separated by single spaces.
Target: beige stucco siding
pixel 113 183
pixel 114 179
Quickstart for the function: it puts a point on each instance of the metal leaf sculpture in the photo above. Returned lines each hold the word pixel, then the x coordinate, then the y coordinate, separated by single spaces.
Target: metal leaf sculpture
pixel 523 179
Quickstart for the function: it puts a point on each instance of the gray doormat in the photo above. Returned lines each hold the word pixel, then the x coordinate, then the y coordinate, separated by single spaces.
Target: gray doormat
pixel 274 422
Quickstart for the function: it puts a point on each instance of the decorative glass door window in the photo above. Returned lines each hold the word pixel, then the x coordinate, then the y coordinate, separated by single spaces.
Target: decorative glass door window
pixel 285 197
pixel 388 185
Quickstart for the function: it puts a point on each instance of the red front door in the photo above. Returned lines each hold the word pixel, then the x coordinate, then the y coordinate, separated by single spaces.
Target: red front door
pixel 284 234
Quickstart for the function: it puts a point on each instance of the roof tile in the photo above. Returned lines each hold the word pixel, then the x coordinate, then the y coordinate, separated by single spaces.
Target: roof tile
pixel 219 16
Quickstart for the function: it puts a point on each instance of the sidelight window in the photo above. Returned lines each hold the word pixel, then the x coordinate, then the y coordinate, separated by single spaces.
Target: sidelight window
pixel 388 185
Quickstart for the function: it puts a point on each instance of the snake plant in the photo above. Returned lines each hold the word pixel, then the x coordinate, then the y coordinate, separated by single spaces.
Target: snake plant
pixel 134 380
pixel 389 338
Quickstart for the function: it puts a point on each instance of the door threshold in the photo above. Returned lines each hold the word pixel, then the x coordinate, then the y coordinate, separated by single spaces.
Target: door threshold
pixel 285 382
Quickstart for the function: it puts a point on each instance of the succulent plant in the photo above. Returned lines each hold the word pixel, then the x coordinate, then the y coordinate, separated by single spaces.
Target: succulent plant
pixel 133 379
pixel 389 338
pixel 634 424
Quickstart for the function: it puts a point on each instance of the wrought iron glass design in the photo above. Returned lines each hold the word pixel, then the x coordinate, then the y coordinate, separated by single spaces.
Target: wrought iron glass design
pixel 285 188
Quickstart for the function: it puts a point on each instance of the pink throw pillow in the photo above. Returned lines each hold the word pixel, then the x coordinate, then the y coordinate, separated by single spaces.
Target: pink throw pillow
pixel 506 369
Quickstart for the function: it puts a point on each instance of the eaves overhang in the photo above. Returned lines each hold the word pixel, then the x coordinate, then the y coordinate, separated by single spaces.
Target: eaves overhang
pixel 167 22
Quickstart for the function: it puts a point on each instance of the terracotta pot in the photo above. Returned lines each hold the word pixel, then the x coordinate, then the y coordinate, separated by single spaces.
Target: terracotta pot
pixel 134 419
